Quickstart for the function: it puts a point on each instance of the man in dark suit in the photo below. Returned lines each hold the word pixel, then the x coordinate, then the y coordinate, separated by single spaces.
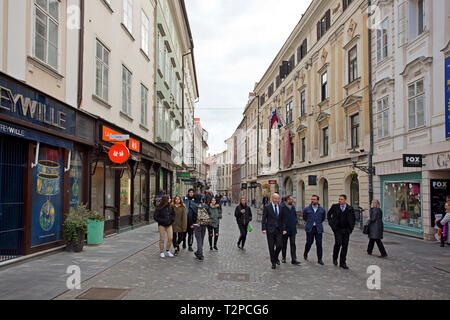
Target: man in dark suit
pixel 274 227
pixel 314 215
pixel 289 214
pixel 341 218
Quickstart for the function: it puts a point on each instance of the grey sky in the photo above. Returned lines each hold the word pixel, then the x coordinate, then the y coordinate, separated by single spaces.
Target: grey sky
pixel 235 42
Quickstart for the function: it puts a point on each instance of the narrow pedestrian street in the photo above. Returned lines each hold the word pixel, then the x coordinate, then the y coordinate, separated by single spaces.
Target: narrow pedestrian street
pixel 413 270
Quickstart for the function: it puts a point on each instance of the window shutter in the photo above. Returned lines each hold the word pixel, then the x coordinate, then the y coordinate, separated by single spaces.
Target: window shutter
pixel 344 4
pixel 328 19
pixel 318 31
pixel 304 48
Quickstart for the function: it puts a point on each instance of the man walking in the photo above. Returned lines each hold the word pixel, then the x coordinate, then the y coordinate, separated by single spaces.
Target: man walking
pixel 341 218
pixel 274 227
pixel 314 215
pixel 189 234
pixel 290 217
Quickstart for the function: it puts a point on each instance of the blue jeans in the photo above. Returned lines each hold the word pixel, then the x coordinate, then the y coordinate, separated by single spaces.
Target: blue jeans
pixel 310 236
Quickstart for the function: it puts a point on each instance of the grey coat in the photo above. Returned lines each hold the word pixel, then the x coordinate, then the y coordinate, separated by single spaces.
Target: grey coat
pixel 375 224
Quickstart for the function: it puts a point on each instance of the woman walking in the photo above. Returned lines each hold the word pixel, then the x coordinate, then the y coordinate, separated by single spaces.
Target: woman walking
pixel 375 224
pixel 443 224
pixel 180 223
pixel 243 216
pixel 215 211
pixel 165 216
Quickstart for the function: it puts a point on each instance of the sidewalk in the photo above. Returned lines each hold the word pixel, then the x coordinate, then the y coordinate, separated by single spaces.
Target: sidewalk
pixel 44 278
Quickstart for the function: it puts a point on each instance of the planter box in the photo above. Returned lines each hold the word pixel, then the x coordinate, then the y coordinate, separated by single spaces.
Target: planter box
pixel 76 247
pixel 96 231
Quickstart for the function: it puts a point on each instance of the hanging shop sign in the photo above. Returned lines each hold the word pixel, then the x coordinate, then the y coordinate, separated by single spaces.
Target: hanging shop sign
pixel 134 145
pixel 412 161
pixel 119 153
pixel 115 137
pixel 272 181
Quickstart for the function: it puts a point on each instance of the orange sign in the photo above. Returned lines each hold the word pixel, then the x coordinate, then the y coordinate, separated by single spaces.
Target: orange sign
pixel 107 132
pixel 119 153
pixel 134 145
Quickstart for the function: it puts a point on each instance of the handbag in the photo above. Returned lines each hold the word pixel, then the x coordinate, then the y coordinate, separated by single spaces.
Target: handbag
pixel 366 229
pixel 249 228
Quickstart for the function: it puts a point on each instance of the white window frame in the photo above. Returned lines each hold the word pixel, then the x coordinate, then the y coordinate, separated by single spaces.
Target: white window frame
pixel 382 116
pixel 289 112
pixel 128 15
pixel 127 85
pixel 144 105
pixel 145 32
pixel 415 98
pixel 103 66
pixel 352 73
pixel 382 40
pixel 322 98
pixel 47 43
pixel 302 102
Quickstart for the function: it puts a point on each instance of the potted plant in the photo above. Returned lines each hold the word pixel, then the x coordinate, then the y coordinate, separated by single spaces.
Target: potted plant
pixel 96 228
pixel 75 228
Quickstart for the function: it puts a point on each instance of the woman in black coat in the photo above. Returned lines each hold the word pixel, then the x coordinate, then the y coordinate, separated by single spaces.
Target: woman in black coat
pixel 243 216
pixel 375 224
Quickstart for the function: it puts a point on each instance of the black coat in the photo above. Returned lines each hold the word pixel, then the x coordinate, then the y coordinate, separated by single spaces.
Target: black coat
pixel 243 219
pixel 270 220
pixel 341 220
pixel 165 216
pixel 290 218
pixel 375 224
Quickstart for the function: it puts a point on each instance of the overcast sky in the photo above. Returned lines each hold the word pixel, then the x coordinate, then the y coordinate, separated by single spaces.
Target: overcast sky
pixel 235 42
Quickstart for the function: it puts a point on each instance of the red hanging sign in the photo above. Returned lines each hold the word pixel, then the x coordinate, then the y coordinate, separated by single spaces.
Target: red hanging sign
pixel 119 153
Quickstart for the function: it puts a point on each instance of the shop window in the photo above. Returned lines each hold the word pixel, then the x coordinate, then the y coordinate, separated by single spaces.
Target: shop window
pixel 402 204
pixel 125 193
pixel 110 193
pixel 140 192
pixel 76 178
pixel 97 189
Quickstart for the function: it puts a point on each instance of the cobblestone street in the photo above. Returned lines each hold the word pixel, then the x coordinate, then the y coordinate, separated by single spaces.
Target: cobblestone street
pixel 413 270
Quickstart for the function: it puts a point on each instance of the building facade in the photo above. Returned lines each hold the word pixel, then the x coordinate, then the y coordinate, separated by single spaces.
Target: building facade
pixel 318 84
pixel 410 45
pixel 251 116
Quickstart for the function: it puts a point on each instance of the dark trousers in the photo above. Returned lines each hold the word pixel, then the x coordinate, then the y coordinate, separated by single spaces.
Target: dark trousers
pixel 310 236
pixel 189 236
pixel 341 238
pixel 200 232
pixel 291 239
pixel 379 244
pixel 243 230
pixel 275 242
pixel 178 237
pixel 213 232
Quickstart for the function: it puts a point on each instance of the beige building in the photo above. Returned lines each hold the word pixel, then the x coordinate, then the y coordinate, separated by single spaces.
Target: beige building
pixel 250 179
pixel 318 83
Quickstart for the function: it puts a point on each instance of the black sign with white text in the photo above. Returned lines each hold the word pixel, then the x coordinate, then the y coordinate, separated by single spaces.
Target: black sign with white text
pixel 412 160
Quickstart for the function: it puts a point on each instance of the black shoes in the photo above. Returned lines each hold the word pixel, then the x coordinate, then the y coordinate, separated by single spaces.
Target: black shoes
pixel 239 245
pixel 190 249
pixel 305 256
pixel 369 253
pixel 442 245
pixel 215 248
pixel 211 248
pixel 344 266
pixel 175 253
pixel 184 245
pixel 295 262
pixel 278 262
pixel 384 255
pixel 283 260
pixel 320 262
pixel 335 262
pixel 199 258
pixel 274 266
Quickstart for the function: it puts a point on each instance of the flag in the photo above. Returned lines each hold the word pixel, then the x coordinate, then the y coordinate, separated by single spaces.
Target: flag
pixel 274 119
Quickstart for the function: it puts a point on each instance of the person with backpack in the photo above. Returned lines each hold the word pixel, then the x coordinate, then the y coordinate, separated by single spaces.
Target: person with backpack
pixel 243 215
pixel 215 211
pixel 165 216
pixel 201 216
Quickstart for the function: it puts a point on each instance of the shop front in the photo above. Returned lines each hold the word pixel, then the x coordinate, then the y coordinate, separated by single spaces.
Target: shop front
pixel 44 145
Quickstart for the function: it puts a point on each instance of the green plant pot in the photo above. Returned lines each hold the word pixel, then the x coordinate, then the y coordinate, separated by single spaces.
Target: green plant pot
pixel 95 231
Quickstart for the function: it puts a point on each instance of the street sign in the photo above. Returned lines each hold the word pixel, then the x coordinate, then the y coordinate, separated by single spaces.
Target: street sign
pixel 183 175
pixel 119 137
pixel 412 160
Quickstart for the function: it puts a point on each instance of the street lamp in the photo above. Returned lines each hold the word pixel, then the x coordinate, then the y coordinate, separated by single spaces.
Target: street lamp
pixel 370 170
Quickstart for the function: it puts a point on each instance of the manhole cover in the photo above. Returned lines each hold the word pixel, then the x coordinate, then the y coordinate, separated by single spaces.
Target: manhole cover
pixel 391 242
pixel 104 294
pixel 238 277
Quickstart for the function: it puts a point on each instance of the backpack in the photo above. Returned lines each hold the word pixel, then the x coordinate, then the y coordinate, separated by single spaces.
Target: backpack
pixel 203 217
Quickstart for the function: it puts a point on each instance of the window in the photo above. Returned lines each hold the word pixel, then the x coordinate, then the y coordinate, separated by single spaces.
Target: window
pixel 302 50
pixel 420 17
pixel 270 92
pixel 291 63
pixel 383 117
pixel 382 41
pixel 416 18
pixel 160 53
pixel 292 153
pixel 325 141
pixel 160 118
pixel 354 120
pixel 145 31
pixel 346 3
pixel 289 117
pixel 323 86
pixel 102 71
pixel 302 103
pixel 128 14
pixel 323 25
pixel 303 150
pixel 144 105
pixel 166 65
pixel 352 64
pixel 278 81
pixel 46 31
pixel 126 91
pixel 416 104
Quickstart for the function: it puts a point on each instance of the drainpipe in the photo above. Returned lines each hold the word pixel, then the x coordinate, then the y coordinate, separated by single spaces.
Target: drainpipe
pixel 371 168
pixel 80 57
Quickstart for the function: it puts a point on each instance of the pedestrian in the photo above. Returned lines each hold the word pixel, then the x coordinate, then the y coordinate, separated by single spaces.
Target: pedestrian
pixel 289 213
pixel 375 224
pixel 274 227
pixel 243 215
pixel 229 200
pixel 180 223
pixel 341 218
pixel 165 216
pixel 215 211
pixel 201 217
pixel 314 215
pixel 443 212
pixel 444 224
pixel 265 201
pixel 189 235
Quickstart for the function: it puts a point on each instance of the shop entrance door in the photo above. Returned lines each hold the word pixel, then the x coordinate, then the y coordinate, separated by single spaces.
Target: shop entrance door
pixel 12 177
